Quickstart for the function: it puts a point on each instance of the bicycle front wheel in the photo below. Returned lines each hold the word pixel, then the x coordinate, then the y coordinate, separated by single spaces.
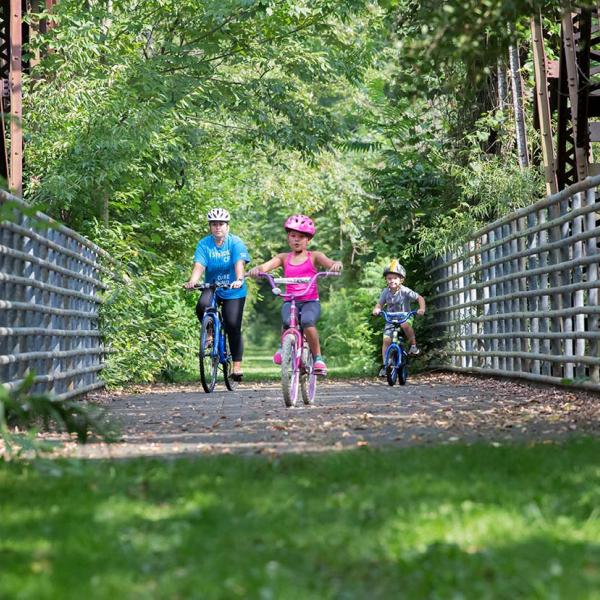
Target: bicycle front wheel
pixel 230 382
pixel 403 369
pixel 289 371
pixel 208 356
pixel 308 379
pixel 391 366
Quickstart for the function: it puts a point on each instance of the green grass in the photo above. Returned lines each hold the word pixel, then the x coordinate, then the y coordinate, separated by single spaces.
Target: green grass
pixel 440 522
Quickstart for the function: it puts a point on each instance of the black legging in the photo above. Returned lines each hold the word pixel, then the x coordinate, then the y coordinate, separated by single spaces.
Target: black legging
pixel 233 311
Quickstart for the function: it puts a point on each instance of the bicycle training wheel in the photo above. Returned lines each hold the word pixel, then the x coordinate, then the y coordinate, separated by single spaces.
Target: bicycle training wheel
pixel 308 379
pixel 289 371
pixel 230 382
pixel 208 357
pixel 403 369
pixel 391 368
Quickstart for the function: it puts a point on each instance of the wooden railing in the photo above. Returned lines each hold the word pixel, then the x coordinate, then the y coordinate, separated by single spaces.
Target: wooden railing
pixel 520 298
pixel 50 278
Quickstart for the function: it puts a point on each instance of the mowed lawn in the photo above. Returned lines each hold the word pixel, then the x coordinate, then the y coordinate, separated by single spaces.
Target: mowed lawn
pixel 431 522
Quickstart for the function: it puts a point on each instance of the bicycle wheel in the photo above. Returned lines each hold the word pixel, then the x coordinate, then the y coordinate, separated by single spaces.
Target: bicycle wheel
pixel 208 356
pixel 289 371
pixel 403 368
pixel 308 378
pixel 391 367
pixel 230 383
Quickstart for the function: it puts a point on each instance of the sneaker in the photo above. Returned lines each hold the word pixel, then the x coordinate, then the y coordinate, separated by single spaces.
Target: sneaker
pixel 319 365
pixel 277 356
pixel 381 372
pixel 413 350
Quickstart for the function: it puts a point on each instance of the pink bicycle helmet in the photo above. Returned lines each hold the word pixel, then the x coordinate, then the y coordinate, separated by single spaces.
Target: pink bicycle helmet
pixel 300 223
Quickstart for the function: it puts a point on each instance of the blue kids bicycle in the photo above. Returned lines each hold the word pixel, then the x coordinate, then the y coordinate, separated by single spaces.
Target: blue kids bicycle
pixel 396 357
pixel 214 350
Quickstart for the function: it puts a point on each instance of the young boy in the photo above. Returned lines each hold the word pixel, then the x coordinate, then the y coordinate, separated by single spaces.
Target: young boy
pixel 397 298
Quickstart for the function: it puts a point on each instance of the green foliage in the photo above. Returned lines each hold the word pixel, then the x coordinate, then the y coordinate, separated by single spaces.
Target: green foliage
pixel 351 335
pixel 23 413
pixel 379 119
pixel 148 319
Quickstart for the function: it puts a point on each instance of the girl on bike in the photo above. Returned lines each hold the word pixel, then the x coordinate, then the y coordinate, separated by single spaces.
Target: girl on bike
pixel 221 257
pixel 301 263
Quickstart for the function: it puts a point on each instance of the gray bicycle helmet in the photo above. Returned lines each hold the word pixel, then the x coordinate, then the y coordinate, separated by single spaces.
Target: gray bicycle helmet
pixel 395 267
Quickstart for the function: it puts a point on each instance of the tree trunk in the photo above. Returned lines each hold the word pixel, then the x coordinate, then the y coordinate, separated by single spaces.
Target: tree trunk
pixel 517 98
pixel 105 209
pixel 502 88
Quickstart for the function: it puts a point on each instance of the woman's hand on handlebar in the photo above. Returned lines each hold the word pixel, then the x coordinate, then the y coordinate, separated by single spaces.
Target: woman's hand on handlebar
pixel 188 285
pixel 376 311
pixel 336 266
pixel 238 283
pixel 421 312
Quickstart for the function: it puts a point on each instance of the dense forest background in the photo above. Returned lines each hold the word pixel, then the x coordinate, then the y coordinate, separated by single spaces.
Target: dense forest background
pixel 390 122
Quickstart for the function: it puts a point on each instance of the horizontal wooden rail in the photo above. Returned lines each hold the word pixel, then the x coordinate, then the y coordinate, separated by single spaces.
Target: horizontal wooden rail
pixel 44 264
pixel 34 236
pixel 49 310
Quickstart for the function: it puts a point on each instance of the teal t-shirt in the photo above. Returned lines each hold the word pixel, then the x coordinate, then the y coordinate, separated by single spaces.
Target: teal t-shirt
pixel 219 262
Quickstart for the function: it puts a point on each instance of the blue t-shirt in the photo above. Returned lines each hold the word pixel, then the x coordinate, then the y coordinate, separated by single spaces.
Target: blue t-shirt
pixel 220 262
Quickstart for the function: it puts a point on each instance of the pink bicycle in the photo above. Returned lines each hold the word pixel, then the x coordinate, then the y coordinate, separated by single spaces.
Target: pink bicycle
pixel 297 370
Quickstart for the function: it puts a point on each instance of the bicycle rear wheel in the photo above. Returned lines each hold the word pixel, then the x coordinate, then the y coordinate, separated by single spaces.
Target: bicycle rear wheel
pixel 230 383
pixel 289 371
pixel 208 356
pixel 308 379
pixel 391 367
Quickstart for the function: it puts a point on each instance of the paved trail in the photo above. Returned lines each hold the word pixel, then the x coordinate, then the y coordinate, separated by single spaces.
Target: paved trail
pixel 433 408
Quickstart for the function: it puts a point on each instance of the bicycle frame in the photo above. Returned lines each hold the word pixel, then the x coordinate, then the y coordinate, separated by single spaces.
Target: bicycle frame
pixel 219 333
pixel 301 365
pixel 213 312
pixel 218 351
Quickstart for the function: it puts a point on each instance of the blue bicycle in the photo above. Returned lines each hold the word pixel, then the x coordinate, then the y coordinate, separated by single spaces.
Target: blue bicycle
pixel 396 357
pixel 214 350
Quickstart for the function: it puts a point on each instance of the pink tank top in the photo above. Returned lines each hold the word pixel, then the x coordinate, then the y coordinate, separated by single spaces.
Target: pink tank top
pixel 305 269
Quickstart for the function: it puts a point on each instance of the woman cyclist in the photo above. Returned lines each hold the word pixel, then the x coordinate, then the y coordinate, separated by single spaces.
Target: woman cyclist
pixel 221 257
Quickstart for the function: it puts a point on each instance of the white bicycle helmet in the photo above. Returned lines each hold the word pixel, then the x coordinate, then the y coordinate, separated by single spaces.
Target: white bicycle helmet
pixel 218 214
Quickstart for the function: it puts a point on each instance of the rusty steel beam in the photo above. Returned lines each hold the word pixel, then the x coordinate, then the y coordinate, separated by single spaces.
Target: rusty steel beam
pixel 574 84
pixel 4 77
pixel 16 98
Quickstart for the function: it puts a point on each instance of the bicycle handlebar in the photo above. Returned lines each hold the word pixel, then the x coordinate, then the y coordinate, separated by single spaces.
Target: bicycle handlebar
pixel 397 317
pixel 209 286
pixel 273 281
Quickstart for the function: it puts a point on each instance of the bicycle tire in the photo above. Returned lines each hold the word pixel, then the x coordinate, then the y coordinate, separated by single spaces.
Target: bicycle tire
pixel 308 379
pixel 207 356
pixel 403 368
pixel 289 371
pixel 230 383
pixel 391 367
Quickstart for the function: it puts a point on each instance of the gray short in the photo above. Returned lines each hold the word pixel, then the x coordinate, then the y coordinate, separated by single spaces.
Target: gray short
pixel 388 330
pixel 309 312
